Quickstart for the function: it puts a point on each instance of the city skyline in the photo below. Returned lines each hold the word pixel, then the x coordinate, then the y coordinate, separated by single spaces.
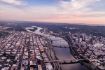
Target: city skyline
pixel 68 11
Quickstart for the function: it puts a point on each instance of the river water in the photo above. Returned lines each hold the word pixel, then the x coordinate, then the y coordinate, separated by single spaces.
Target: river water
pixel 62 53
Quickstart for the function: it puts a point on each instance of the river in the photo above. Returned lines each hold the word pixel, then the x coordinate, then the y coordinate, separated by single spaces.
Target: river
pixel 62 53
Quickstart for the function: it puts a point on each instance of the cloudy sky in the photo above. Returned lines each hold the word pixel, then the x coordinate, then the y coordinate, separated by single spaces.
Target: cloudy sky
pixel 69 11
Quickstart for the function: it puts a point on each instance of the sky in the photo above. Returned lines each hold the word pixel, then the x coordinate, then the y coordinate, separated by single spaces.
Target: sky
pixel 62 11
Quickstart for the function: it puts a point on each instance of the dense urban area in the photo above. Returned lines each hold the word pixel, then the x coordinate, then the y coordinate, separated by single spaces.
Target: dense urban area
pixel 47 46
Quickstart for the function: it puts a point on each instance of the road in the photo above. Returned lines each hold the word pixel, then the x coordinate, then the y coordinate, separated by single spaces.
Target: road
pixel 27 51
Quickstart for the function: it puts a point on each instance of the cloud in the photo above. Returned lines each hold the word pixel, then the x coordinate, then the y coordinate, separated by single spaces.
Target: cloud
pixel 13 2
pixel 65 11
pixel 76 5
pixel 27 13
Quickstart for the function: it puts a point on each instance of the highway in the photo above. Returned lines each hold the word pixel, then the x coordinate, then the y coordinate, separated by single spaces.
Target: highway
pixel 89 49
